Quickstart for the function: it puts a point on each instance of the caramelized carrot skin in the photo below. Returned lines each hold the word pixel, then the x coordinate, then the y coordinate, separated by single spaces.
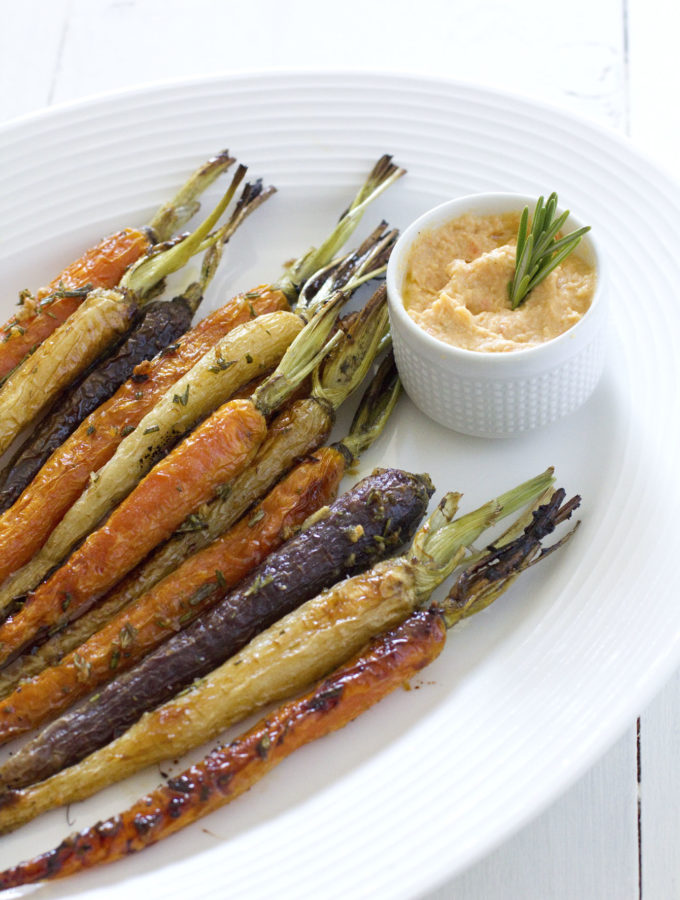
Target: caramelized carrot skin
pixel 26 525
pixel 385 664
pixel 102 266
pixel 178 598
pixel 214 453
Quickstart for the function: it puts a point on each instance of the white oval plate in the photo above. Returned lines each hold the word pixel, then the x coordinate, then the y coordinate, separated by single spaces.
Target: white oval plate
pixel 527 694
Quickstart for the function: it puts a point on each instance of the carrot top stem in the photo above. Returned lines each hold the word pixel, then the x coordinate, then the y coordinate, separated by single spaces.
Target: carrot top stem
pixel 145 274
pixel 440 543
pixel 302 356
pixel 368 261
pixel 347 365
pixel 374 410
pixel 177 212
pixel 481 583
pixel 252 196
pixel 383 174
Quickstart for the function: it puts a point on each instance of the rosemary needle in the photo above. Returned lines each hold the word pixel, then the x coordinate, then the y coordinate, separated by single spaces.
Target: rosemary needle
pixel 539 251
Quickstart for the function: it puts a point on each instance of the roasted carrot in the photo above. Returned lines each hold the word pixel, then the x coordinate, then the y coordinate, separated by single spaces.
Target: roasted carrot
pixel 95 326
pixel 158 325
pixel 384 664
pixel 230 771
pixel 25 527
pixel 102 266
pixel 362 526
pixel 161 324
pixel 187 477
pixel 178 599
pixel 86 575
pixel 298 430
pixel 201 580
pixel 243 684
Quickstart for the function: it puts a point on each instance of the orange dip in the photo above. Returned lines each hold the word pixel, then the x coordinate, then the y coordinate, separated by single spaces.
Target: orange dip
pixel 456 287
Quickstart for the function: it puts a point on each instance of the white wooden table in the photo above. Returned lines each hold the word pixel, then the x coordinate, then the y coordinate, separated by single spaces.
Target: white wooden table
pixel 615 834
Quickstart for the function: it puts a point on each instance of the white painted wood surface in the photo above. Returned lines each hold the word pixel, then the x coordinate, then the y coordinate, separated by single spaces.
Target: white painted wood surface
pixel 613 61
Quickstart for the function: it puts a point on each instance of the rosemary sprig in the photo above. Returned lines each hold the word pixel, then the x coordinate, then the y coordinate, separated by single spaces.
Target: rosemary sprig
pixel 539 251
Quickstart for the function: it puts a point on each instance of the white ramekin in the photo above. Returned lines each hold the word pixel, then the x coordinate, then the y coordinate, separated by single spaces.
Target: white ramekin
pixel 495 394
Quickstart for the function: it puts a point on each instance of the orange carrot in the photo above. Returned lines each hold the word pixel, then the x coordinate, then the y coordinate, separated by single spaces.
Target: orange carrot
pixel 176 600
pixel 102 266
pixel 384 665
pixel 163 499
pixel 222 446
pixel 25 526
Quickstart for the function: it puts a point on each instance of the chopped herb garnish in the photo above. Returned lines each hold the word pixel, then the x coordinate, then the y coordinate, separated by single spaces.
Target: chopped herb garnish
pixel 249 358
pixel 257 517
pixel 127 635
pixel 260 582
pixel 221 580
pixel 252 295
pixel 127 429
pixel 115 659
pixel 91 429
pixel 191 523
pixel 82 665
pixel 62 292
pixel 205 591
pixel 151 429
pixel 221 364
pixel 182 399
pixel 167 351
pixel 223 491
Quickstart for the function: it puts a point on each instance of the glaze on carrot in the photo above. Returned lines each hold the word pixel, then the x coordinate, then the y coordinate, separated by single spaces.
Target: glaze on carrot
pixel 222 446
pixel 298 430
pixel 386 664
pixel 101 266
pixel 204 578
pixel 178 599
pixel 25 526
